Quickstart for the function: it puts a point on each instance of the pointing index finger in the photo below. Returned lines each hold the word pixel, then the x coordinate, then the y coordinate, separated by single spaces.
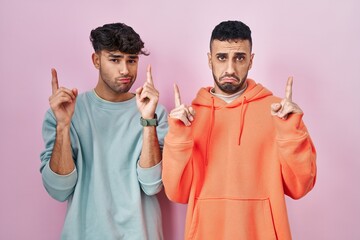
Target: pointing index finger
pixel 288 90
pixel 148 75
pixel 54 81
pixel 177 96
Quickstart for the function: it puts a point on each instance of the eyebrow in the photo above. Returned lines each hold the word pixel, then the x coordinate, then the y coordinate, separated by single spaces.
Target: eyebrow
pixel 240 54
pixel 122 56
pixel 115 55
pixel 237 54
pixel 133 56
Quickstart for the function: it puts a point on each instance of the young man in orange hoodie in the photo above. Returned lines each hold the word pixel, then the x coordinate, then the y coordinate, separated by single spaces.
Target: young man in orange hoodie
pixel 244 150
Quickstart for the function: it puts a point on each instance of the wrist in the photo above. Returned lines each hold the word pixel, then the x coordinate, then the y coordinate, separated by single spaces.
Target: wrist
pixel 61 127
pixel 148 115
pixel 146 122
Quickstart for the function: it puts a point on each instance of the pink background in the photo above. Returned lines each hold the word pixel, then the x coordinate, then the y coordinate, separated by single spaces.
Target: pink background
pixel 315 41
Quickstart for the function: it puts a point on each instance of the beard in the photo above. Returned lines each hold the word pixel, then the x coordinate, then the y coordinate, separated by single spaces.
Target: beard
pixel 230 88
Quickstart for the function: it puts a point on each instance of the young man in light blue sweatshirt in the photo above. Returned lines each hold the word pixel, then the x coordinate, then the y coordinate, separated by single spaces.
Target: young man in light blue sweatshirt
pixel 103 147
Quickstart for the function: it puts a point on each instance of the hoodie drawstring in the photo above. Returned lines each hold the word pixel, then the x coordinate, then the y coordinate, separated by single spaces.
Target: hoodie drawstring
pixel 208 140
pixel 241 119
pixel 210 130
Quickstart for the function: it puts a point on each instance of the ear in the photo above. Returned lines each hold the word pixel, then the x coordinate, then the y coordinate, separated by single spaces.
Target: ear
pixel 96 60
pixel 251 60
pixel 209 60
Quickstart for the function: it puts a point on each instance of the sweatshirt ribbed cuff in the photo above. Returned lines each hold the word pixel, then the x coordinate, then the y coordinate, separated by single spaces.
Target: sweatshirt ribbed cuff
pixel 151 175
pixel 59 182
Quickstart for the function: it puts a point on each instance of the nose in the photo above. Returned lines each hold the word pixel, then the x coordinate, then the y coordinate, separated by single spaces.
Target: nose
pixel 229 68
pixel 123 68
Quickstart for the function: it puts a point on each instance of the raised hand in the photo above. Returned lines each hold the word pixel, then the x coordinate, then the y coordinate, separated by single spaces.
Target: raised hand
pixel 147 97
pixel 182 112
pixel 286 106
pixel 62 101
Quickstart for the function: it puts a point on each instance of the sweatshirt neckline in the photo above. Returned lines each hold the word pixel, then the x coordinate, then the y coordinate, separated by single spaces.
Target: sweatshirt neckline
pixel 228 98
pixel 102 103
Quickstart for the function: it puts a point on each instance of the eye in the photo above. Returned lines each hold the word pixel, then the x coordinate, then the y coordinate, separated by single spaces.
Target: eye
pixel 240 58
pixel 221 58
pixel 132 61
pixel 115 60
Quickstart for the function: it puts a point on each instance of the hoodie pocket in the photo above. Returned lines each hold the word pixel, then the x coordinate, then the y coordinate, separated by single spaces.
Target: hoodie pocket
pixel 224 218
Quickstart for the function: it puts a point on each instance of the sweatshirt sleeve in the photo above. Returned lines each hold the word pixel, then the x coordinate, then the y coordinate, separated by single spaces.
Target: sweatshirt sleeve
pixel 297 156
pixel 150 179
pixel 177 168
pixel 60 187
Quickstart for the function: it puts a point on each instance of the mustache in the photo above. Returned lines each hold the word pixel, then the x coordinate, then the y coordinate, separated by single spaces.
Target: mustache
pixel 230 76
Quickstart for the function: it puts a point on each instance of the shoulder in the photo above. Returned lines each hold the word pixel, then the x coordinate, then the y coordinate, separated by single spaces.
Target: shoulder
pixel 272 99
pixel 160 108
pixel 82 101
pixel 82 97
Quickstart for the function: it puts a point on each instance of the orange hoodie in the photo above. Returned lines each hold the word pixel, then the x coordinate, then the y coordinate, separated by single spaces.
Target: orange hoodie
pixel 234 164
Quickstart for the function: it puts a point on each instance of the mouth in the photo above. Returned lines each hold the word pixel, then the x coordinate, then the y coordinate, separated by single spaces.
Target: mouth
pixel 123 80
pixel 229 80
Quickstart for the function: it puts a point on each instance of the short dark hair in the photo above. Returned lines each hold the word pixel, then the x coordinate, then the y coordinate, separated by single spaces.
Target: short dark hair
pixel 231 30
pixel 117 37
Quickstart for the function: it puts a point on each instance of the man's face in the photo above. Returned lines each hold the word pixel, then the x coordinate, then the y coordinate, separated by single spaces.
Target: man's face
pixel 230 62
pixel 117 71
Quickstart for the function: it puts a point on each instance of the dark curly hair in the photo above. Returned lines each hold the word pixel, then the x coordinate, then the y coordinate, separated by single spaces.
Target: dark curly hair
pixel 117 37
pixel 231 30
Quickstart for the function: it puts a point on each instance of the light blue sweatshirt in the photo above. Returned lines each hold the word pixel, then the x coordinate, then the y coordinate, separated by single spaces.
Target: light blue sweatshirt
pixel 109 195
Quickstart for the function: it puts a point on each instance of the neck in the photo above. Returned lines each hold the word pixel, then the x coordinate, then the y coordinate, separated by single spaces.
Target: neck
pixel 111 96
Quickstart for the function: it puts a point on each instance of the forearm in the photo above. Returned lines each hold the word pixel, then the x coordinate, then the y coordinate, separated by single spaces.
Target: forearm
pixel 61 161
pixel 149 166
pixel 150 153
pixel 59 186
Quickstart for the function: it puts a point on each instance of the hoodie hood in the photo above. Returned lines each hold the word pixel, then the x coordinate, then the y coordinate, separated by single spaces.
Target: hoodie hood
pixel 204 98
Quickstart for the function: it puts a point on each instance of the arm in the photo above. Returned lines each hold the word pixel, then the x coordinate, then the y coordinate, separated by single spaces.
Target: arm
pixel 296 151
pixel 61 163
pixel 177 164
pixel 149 166
pixel 62 103
pixel 178 169
pixel 297 156
pixel 60 187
